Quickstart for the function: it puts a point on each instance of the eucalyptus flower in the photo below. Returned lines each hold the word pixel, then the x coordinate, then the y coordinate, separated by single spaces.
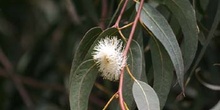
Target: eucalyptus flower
pixel 108 54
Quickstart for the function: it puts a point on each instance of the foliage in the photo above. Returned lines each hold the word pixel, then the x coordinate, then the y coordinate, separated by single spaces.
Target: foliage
pixel 171 50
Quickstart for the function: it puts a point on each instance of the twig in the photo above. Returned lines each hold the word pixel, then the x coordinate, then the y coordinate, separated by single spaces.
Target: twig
pixel 72 12
pixel 126 26
pixel 104 14
pixel 203 50
pixel 115 13
pixel 110 100
pixel 121 100
pixel 9 68
pixel 120 15
pixel 34 83
pixel 103 89
pixel 129 72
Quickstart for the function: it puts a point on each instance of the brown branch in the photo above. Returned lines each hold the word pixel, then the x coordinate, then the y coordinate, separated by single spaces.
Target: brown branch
pixel 22 91
pixel 72 12
pixel 35 83
pixel 104 14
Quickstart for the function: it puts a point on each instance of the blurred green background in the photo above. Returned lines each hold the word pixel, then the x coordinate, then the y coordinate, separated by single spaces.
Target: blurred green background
pixel 37 40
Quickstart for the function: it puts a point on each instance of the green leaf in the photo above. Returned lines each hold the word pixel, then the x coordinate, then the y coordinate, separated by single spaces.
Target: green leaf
pixel 158 25
pixel 216 107
pixel 135 65
pixel 201 38
pixel 86 42
pixel 208 85
pixel 135 62
pixel 163 70
pixel 145 97
pixel 209 37
pixel 138 36
pixel 175 26
pixel 81 85
pixel 84 46
pixel 185 14
pixel 83 75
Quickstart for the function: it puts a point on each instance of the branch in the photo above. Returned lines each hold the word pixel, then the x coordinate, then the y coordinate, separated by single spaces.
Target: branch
pixel 120 15
pixel 9 68
pixel 72 12
pixel 121 100
pixel 34 83
pixel 104 13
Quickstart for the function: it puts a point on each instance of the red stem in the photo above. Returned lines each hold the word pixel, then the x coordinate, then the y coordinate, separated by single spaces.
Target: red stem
pixel 120 15
pixel 121 100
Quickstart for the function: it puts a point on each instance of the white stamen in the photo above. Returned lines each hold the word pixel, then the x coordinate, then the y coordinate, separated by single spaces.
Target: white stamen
pixel 109 57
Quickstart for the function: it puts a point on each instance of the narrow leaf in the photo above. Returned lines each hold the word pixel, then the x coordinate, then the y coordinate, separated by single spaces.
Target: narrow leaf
pixel 216 107
pixel 81 85
pixel 86 42
pixel 145 97
pixel 83 75
pixel 163 70
pixel 209 38
pixel 140 41
pixel 84 46
pixel 185 14
pixel 158 25
pixel 210 86
pixel 135 64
